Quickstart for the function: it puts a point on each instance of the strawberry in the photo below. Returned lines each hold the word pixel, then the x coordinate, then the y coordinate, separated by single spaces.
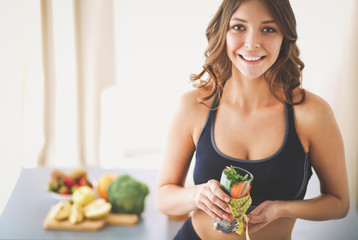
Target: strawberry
pixel 82 181
pixel 69 182
pixel 64 190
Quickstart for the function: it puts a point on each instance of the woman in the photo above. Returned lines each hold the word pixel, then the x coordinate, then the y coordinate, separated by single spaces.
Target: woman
pixel 259 119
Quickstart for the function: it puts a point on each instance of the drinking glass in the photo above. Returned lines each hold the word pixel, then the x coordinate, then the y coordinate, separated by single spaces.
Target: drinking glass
pixel 225 225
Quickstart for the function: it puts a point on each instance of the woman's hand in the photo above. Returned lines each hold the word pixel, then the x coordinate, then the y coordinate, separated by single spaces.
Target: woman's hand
pixel 212 200
pixel 263 214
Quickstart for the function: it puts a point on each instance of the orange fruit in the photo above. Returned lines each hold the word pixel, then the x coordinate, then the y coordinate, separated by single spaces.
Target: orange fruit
pixel 103 182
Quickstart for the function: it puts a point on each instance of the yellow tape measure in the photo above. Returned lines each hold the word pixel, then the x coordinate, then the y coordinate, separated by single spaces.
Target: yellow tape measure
pixel 238 208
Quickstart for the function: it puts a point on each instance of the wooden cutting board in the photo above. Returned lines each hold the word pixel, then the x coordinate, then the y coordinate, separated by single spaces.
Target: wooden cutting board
pixel 117 219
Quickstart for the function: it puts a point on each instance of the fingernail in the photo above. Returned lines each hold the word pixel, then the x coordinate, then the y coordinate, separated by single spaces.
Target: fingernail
pixel 218 219
pixel 227 199
pixel 225 216
pixel 228 209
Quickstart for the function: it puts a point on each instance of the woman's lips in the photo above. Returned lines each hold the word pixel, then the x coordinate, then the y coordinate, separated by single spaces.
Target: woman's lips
pixel 248 59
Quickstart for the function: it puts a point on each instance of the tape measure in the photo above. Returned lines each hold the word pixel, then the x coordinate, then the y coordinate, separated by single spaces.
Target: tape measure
pixel 238 208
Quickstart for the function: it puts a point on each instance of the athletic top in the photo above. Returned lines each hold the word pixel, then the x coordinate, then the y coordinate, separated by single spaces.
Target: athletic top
pixel 282 176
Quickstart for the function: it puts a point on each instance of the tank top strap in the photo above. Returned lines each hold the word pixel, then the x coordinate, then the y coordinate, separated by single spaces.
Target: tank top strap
pixel 215 102
pixel 210 117
pixel 291 119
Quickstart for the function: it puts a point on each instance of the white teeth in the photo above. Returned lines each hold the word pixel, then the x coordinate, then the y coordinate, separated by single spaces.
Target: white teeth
pixel 251 58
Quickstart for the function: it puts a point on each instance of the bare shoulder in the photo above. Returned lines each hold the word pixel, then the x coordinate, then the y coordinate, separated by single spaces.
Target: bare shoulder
pixel 192 112
pixel 313 117
pixel 313 110
pixel 189 101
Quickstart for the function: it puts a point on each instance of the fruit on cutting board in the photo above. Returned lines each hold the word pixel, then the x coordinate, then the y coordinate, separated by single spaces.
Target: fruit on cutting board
pixel 98 208
pixel 76 215
pixel 61 210
pixel 103 182
pixel 83 195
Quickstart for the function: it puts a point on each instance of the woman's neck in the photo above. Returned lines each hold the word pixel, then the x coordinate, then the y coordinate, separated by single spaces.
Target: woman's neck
pixel 250 94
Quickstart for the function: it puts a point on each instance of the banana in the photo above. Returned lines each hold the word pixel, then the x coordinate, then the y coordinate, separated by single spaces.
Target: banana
pixel 76 215
pixel 61 210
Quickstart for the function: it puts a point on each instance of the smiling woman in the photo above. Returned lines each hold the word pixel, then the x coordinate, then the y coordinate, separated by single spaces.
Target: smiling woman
pixel 252 113
pixel 156 45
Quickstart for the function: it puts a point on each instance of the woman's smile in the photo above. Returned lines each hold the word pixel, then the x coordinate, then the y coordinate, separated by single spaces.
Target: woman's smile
pixel 251 59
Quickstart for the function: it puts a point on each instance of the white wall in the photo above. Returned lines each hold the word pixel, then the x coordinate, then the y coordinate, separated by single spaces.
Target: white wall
pixel 160 43
pixel 14 69
pixel 321 30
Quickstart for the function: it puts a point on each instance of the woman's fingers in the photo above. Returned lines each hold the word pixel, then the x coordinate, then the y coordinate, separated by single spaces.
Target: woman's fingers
pixel 214 205
pixel 213 200
pixel 263 215
pixel 258 218
pixel 211 211
pixel 209 203
pixel 215 188
pixel 218 197
pixel 260 207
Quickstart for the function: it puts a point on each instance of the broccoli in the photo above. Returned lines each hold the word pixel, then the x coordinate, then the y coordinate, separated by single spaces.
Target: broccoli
pixel 127 195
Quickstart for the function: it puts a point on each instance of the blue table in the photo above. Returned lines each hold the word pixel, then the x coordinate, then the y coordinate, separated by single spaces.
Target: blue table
pixel 29 203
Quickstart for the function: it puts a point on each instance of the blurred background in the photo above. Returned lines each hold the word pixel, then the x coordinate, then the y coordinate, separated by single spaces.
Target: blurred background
pixel 95 83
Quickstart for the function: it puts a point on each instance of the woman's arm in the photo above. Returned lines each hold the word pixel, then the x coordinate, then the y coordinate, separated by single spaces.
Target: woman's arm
pixel 172 197
pixel 316 125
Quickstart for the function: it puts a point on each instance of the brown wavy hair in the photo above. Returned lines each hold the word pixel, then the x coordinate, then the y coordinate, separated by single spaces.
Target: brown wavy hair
pixel 285 73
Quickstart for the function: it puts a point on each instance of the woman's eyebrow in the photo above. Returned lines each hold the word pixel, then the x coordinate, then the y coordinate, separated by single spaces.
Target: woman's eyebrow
pixel 238 19
pixel 268 21
pixel 243 20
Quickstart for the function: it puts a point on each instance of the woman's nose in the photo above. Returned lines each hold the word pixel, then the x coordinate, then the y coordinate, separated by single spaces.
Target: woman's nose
pixel 252 40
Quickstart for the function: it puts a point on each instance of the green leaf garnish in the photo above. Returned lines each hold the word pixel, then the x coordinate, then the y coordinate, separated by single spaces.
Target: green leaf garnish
pixel 234 177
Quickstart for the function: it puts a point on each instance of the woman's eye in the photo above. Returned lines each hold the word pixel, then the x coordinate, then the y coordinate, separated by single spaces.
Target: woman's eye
pixel 238 27
pixel 269 29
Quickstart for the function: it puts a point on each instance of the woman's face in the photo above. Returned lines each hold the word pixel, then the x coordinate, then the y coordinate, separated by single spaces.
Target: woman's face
pixel 253 40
